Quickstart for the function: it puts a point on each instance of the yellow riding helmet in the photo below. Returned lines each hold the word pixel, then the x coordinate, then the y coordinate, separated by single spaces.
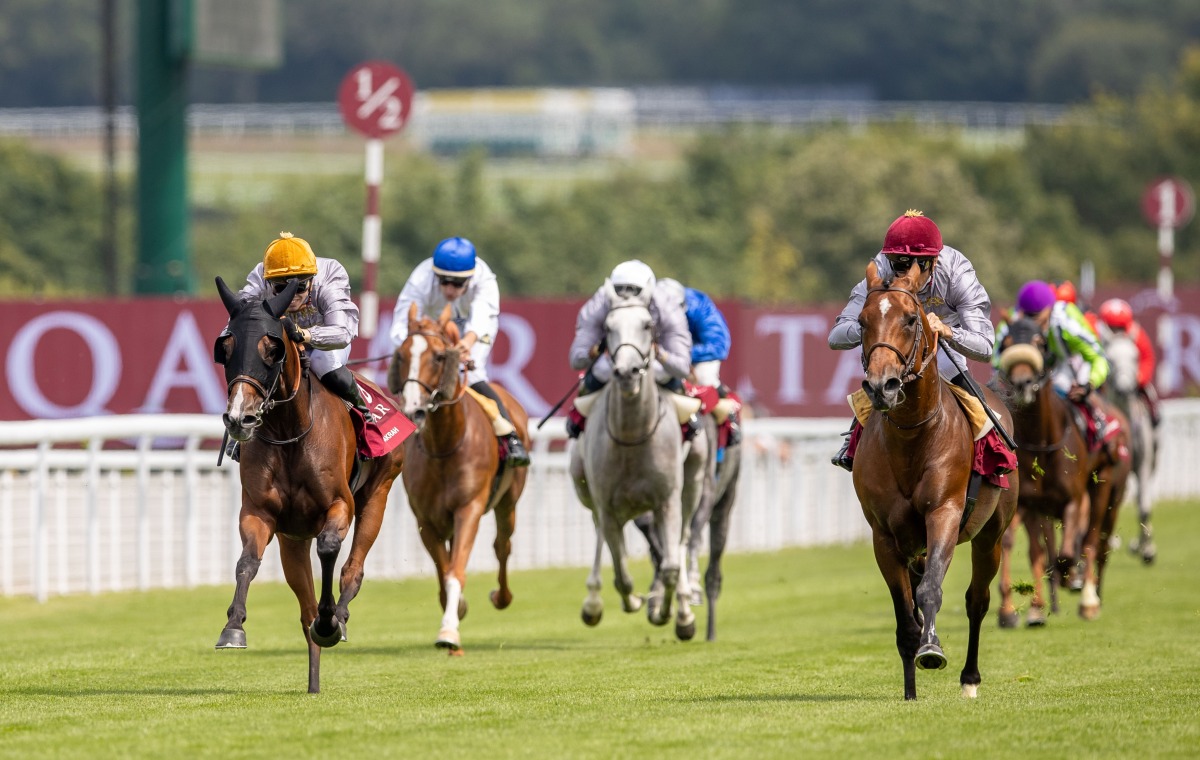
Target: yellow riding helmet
pixel 289 256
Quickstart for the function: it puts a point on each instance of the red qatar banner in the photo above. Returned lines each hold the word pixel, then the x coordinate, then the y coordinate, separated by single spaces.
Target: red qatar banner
pixel 154 355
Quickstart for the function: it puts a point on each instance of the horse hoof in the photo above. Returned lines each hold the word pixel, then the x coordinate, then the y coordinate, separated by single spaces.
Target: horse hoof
pixel 1036 618
pixel 685 632
pixel 930 657
pixel 498 601
pixel 1089 613
pixel 970 690
pixel 1149 553
pixel 331 639
pixel 1008 619
pixel 697 599
pixel 591 619
pixel 448 638
pixel 232 638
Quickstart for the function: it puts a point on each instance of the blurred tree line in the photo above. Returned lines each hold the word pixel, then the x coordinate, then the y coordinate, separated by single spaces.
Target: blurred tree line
pixel 756 214
pixel 1016 51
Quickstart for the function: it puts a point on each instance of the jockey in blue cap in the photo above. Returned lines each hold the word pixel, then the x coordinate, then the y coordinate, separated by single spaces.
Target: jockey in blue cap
pixel 455 275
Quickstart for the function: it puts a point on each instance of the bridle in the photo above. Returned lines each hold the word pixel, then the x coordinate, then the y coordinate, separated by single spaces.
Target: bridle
pixel 911 359
pixel 436 398
pixel 268 396
pixel 910 374
pixel 641 370
pixel 432 402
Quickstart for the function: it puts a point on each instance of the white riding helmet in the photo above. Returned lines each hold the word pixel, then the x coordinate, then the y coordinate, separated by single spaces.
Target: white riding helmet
pixel 674 290
pixel 633 274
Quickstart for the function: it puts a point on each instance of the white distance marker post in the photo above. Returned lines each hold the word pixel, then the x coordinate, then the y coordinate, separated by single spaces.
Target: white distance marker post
pixel 371 236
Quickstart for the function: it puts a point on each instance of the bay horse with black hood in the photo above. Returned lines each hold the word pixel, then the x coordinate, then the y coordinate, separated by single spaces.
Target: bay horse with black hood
pixel 911 473
pixel 298 454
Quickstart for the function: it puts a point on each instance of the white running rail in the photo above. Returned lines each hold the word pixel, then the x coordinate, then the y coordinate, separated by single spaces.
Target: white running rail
pixel 137 502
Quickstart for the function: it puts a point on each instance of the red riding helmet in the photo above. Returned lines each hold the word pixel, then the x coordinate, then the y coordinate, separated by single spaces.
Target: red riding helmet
pixel 1116 313
pixel 913 234
pixel 1066 292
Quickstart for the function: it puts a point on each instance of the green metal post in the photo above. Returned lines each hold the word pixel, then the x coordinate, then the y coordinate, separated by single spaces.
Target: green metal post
pixel 164 264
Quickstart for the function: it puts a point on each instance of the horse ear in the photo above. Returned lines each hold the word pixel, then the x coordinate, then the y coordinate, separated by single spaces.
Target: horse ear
pixel 228 297
pixel 452 333
pixel 277 305
pixel 445 316
pixel 873 280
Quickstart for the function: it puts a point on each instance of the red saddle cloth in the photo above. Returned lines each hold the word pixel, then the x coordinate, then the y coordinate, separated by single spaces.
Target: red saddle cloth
pixel 1096 438
pixel 709 396
pixel 389 429
pixel 992 459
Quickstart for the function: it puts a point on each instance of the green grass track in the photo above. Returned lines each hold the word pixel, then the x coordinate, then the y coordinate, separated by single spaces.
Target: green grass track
pixel 805 665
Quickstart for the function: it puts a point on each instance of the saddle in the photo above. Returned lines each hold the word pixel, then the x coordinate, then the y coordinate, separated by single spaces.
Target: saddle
pixel 724 410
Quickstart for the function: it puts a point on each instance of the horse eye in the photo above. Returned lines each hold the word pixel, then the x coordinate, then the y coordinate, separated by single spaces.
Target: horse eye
pixel 911 320
pixel 439 356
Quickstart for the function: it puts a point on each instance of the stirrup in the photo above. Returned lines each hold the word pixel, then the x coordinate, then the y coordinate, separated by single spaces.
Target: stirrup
pixel 517 454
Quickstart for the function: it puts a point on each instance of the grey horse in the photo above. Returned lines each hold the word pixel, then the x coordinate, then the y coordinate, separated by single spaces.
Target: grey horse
pixel 1122 390
pixel 630 459
pixel 719 490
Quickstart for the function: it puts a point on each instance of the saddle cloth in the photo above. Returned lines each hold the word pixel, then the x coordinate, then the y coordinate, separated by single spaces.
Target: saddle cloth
pixel 991 458
pixel 971 406
pixel 389 429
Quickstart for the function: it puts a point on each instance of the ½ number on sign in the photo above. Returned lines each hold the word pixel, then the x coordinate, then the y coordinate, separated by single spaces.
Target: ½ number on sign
pixel 385 97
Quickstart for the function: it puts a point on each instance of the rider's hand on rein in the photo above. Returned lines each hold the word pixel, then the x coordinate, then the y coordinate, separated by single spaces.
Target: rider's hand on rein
pixel 938 326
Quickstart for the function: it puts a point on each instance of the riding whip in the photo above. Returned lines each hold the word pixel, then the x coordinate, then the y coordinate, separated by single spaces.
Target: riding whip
pixel 574 387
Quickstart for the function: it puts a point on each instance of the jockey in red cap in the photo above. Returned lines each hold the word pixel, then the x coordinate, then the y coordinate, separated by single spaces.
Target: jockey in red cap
pixel 956 305
pixel 1117 315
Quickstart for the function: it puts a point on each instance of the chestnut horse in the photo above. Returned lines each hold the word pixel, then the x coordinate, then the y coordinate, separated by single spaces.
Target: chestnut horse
pixel 298 454
pixel 1061 480
pixel 454 473
pixel 911 474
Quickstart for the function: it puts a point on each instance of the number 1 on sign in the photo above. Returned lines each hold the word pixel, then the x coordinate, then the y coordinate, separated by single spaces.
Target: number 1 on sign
pixel 392 117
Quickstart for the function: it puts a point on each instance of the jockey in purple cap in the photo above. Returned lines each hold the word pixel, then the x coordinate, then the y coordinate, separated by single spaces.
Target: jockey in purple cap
pixel 1076 359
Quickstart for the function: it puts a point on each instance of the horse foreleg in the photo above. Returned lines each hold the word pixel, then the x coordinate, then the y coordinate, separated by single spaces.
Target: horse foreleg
pixel 1039 549
pixel 895 574
pixel 1007 613
pixel 614 536
pixel 327 630
pixel 1076 516
pixel 718 534
pixel 941 526
pixel 297 571
pixel 366 530
pixel 256 534
pixel 985 560
pixel 1095 543
pixel 593 604
pixel 506 523
pixel 645 523
pixel 466 527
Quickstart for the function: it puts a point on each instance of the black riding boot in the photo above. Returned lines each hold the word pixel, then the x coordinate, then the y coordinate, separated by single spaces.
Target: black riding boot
pixel 842 459
pixel 341 381
pixel 517 454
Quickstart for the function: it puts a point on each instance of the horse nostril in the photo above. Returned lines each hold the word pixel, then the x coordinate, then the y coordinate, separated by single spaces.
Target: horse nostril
pixel 891 385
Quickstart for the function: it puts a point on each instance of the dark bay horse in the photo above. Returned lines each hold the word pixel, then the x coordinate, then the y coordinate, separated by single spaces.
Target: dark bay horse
pixel 454 473
pixel 1060 481
pixel 911 473
pixel 298 453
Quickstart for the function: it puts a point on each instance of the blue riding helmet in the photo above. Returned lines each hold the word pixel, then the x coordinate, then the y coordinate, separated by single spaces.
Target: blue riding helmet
pixel 454 257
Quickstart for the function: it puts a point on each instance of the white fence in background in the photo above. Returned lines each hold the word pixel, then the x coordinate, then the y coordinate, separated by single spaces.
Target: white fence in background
pixel 137 502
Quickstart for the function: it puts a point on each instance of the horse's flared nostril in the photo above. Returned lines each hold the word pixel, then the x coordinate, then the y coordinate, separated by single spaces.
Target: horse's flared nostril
pixel 891 385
